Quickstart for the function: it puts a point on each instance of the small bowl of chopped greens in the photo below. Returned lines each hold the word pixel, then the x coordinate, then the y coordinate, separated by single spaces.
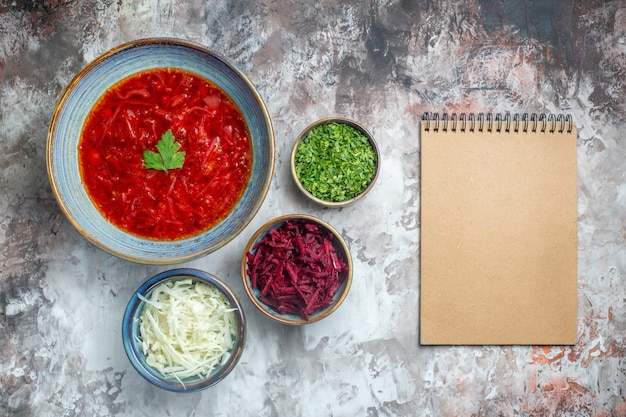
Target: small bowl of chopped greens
pixel 184 330
pixel 297 269
pixel 335 162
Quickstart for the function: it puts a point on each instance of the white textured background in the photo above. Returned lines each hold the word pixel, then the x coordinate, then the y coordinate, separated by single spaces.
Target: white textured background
pixel 382 63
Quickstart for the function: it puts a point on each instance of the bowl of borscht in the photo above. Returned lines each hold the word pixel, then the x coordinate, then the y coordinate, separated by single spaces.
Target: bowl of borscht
pixel 160 151
pixel 297 269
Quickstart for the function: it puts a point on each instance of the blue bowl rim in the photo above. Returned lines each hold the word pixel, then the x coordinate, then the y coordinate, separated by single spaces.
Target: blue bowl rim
pixel 290 318
pixel 134 307
pixel 99 60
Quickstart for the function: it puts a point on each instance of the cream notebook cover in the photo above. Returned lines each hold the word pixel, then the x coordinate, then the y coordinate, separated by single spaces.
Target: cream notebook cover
pixel 498 238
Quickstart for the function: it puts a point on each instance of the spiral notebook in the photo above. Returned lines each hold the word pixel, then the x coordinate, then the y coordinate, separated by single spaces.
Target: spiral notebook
pixel 498 239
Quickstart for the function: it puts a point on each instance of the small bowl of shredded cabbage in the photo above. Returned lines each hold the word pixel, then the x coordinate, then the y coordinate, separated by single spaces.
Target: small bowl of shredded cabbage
pixel 184 330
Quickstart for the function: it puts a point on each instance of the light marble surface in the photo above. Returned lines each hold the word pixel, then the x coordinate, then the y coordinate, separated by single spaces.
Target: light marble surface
pixel 382 63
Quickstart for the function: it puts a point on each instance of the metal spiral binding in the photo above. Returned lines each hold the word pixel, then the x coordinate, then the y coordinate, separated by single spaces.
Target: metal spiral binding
pixel 498 122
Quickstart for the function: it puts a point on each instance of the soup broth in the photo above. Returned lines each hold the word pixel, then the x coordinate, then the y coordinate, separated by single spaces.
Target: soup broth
pixel 130 119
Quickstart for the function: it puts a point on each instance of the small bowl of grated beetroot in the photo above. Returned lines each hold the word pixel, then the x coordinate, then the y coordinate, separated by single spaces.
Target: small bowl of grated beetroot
pixel 297 269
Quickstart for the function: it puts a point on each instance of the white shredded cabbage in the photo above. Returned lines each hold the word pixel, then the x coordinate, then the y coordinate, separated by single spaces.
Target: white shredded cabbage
pixel 187 328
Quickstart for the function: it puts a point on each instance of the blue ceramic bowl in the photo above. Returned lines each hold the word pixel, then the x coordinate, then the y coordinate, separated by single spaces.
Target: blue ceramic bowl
pixel 84 91
pixel 340 246
pixel 132 344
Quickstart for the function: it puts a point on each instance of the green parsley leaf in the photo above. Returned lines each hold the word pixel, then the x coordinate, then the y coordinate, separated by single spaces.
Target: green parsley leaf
pixel 168 157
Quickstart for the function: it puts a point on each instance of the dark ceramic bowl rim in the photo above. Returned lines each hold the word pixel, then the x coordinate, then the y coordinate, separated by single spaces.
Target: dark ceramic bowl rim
pixel 133 350
pixel 307 193
pixel 293 319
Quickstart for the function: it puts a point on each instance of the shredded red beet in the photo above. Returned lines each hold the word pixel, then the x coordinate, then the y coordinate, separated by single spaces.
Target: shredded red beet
pixel 296 268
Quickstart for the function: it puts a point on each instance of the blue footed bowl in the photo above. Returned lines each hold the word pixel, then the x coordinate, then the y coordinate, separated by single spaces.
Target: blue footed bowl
pixel 84 91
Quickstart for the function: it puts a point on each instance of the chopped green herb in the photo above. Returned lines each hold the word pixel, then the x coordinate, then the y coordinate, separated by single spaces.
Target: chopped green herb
pixel 335 162
pixel 168 157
